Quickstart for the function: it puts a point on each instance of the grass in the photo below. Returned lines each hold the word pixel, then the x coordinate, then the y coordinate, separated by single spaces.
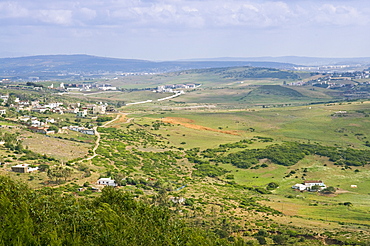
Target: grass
pixel 314 123
pixel 58 148
pixel 309 123
pixel 311 205
pixel 281 122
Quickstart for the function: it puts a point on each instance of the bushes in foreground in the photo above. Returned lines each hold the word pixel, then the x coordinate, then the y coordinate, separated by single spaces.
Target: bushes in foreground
pixel 45 217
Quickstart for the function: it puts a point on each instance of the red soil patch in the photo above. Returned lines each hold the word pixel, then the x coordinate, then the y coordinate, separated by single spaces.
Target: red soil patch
pixel 188 123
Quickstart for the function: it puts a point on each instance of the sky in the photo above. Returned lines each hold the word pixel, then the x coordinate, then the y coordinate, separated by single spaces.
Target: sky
pixel 183 29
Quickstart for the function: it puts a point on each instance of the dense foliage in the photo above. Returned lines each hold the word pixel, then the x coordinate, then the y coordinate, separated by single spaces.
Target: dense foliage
pixel 290 153
pixel 115 218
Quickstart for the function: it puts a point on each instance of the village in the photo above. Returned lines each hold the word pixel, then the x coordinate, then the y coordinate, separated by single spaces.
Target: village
pixel 43 123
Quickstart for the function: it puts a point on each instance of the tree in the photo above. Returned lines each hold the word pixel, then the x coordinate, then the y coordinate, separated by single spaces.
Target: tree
pixel 315 188
pixel 329 190
pixel 272 186
pixel 54 128
pixel 11 100
pixel 261 240
pixel 59 172
pixel 280 239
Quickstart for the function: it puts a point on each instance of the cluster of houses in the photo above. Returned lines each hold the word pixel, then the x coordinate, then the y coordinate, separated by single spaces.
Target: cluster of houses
pixel 310 185
pixel 56 107
pixel 170 88
pixel 84 87
pixel 34 121
pixel 42 125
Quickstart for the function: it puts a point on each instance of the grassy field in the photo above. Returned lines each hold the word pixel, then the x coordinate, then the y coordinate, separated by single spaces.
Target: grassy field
pixel 208 77
pixel 59 148
pixel 310 123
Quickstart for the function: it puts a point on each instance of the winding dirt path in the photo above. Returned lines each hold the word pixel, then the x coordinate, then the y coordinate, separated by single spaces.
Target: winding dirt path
pixel 98 137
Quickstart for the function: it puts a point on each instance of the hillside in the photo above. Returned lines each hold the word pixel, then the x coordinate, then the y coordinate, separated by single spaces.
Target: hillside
pixel 67 66
pixel 299 60
pixel 233 168
pixel 213 165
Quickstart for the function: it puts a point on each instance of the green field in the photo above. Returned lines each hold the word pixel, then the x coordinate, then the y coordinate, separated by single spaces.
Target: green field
pixel 309 123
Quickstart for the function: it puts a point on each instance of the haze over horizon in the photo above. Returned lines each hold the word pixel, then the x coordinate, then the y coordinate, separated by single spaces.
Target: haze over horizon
pixel 185 29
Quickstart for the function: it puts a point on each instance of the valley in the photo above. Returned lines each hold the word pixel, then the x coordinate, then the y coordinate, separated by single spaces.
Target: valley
pixel 223 156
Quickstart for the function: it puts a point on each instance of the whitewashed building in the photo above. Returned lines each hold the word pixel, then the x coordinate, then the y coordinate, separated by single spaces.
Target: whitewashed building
pixel 107 182
pixel 299 187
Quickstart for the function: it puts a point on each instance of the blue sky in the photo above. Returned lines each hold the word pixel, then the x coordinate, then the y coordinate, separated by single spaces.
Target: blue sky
pixel 182 29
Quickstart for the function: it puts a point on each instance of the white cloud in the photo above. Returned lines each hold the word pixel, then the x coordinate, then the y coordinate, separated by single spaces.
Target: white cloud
pixel 59 17
pixel 341 15
pixel 12 10
pixel 202 25
pixel 187 14
pixel 85 13
pixel 257 15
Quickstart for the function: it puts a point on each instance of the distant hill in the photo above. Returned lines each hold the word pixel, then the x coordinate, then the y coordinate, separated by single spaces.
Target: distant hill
pixel 276 90
pixel 63 66
pixel 244 72
pixel 299 60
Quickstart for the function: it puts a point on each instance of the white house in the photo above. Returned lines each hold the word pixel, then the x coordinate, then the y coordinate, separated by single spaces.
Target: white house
pixel 107 182
pixel 53 105
pixel 76 128
pixel 25 118
pixel 100 109
pixel 73 89
pixel 107 88
pixel 81 114
pixel 299 187
pixel 87 131
pixel 4 98
pixel 24 168
pixel 40 109
pixel 72 110
pixel 51 120
pixel 82 130
pixel 36 123
pixel 310 183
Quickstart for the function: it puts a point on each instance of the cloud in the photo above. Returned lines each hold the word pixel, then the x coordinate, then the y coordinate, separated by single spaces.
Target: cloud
pixel 257 15
pixel 12 10
pixel 341 15
pixel 59 17
pixel 183 14
pixel 86 13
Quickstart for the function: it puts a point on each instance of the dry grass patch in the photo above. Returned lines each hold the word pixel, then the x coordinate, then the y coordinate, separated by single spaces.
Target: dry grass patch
pixel 58 148
pixel 188 123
